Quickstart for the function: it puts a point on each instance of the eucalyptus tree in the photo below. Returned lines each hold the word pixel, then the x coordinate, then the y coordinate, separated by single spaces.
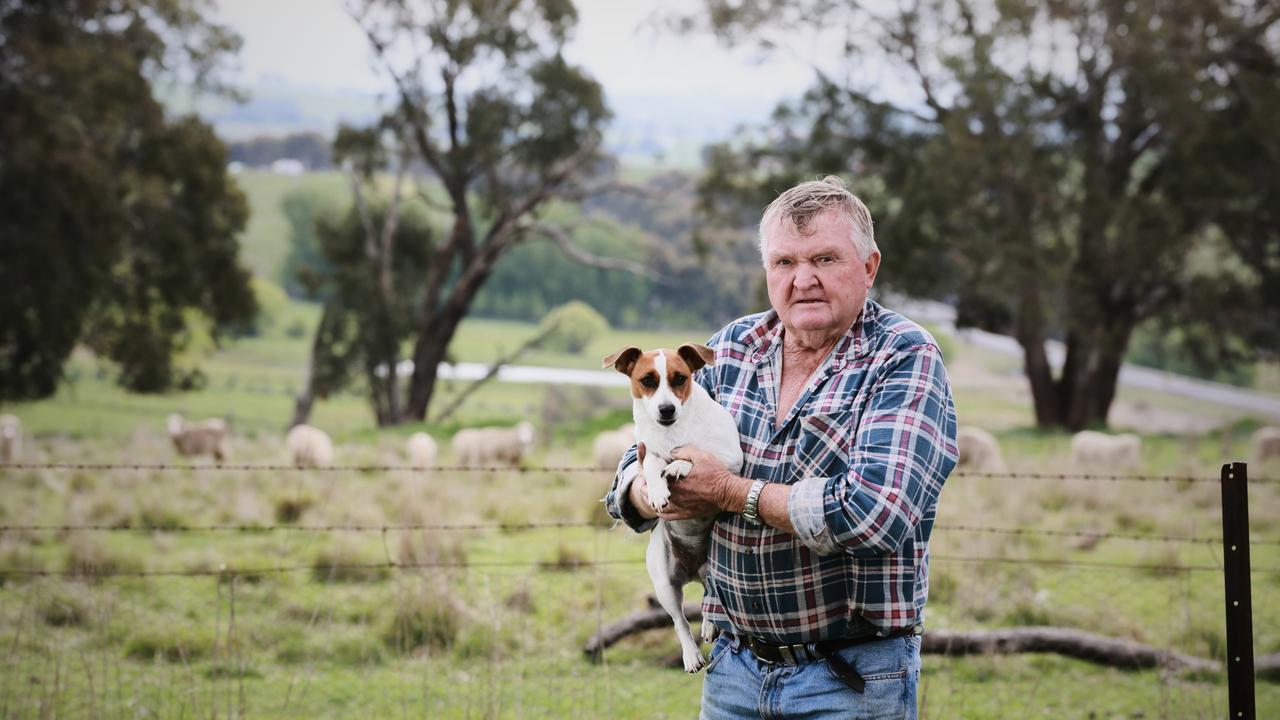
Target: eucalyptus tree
pixel 502 125
pixel 118 223
pixel 1061 170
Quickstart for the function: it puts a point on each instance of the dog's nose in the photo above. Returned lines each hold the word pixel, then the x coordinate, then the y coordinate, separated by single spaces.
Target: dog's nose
pixel 666 412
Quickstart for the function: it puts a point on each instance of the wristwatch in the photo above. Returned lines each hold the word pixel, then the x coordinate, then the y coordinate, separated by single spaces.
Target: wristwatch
pixel 751 510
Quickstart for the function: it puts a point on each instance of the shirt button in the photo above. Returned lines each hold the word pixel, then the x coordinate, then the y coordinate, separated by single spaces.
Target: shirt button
pixel 755 604
pixel 751 551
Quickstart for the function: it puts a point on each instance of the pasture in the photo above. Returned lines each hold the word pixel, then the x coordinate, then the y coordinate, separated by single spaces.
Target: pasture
pixel 207 592
pixel 192 591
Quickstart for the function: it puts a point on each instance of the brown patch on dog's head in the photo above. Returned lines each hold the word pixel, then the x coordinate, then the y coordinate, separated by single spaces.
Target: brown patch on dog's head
pixel 650 371
pixel 623 360
pixel 680 371
pixel 697 356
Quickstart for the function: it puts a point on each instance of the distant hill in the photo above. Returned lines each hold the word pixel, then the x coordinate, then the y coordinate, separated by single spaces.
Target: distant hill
pixel 670 130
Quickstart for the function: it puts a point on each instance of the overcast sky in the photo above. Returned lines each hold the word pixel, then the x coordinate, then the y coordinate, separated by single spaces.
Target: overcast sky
pixel 315 43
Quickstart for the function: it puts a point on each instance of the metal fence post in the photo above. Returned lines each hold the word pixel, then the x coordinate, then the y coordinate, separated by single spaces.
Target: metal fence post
pixel 1239 606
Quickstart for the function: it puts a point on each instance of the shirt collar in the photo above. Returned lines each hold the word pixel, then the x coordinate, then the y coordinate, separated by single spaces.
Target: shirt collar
pixel 764 337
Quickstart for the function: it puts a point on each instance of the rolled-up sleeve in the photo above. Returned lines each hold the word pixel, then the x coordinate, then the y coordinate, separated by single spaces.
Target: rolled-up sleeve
pixel 902 451
pixel 617 502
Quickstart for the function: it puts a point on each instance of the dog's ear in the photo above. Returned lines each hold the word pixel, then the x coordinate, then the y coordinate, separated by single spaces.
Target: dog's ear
pixel 697 356
pixel 623 360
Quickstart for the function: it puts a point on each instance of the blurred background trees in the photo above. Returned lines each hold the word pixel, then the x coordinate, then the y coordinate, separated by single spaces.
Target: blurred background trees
pixel 1069 170
pixel 118 224
pixel 489 107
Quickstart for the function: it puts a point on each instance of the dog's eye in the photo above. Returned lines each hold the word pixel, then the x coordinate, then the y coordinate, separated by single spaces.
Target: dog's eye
pixel 677 380
pixel 649 381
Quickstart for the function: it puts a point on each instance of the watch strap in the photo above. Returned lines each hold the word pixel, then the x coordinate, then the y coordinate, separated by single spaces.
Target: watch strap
pixel 751 509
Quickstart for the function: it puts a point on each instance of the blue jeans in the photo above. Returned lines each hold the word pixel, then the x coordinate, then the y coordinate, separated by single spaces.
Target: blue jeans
pixel 737 685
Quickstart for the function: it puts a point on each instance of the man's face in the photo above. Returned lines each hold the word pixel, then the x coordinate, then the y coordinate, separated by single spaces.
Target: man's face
pixel 817 282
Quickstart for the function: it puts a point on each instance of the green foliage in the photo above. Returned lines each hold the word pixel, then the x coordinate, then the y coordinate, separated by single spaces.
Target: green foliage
pixel 1137 183
pixel 305 269
pixel 271 301
pixel 516 141
pixel 109 236
pixel 576 325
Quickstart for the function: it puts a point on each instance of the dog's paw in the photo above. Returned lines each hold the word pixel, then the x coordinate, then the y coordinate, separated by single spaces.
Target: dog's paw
pixel 676 470
pixel 708 631
pixel 693 660
pixel 659 497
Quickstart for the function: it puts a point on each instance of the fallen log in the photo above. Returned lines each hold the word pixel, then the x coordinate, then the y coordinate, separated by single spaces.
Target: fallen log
pixel 1095 648
pixel 1098 649
pixel 1267 667
pixel 634 623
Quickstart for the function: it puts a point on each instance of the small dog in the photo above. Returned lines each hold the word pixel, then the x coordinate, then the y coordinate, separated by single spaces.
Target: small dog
pixel 671 410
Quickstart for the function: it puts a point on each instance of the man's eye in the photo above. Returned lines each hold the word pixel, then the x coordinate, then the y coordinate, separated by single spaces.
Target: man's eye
pixel 826 260
pixel 678 380
pixel 649 381
pixel 781 262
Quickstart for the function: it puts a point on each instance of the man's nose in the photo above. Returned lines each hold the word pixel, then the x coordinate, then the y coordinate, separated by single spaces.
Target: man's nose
pixel 805 276
pixel 666 411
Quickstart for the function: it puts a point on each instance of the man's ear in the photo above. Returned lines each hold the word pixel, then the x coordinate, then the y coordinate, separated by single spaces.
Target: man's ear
pixel 698 356
pixel 623 360
pixel 872 266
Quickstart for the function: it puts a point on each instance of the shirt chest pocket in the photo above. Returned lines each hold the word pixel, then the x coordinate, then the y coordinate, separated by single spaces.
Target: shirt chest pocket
pixel 824 444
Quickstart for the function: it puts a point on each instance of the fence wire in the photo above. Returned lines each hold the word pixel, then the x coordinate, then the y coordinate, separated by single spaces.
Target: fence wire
pixel 394 594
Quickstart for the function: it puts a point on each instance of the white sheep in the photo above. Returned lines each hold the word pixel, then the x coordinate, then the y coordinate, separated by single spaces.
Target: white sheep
pixel 309 446
pixel 481 447
pixel 1091 449
pixel 422 451
pixel 979 450
pixel 10 439
pixel 1266 445
pixel 192 439
pixel 610 445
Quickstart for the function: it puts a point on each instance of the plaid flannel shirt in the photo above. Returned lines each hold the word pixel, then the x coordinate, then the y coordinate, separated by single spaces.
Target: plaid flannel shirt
pixel 865 449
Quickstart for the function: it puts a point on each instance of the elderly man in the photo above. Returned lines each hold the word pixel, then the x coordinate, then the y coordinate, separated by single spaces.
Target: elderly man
pixel 818 564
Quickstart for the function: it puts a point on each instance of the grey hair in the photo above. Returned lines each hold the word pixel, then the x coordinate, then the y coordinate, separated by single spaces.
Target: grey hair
pixel 802 203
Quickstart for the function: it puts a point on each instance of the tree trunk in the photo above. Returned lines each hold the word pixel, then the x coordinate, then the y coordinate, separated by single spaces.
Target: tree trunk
pixel 428 353
pixel 436 329
pixel 304 401
pixel 1035 361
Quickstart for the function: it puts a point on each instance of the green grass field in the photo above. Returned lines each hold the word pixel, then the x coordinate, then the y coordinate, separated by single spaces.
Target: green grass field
pixel 270 619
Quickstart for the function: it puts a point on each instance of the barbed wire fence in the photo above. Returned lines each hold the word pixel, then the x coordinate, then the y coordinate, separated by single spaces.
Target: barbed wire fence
pixel 149 614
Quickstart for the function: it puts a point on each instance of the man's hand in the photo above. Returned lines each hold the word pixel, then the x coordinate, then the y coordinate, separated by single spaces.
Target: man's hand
pixel 708 490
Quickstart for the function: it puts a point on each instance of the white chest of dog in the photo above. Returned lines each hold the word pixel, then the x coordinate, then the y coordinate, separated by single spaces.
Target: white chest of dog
pixel 672 410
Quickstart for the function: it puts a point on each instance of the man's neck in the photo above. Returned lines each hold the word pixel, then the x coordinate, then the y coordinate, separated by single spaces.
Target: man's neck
pixel 801 345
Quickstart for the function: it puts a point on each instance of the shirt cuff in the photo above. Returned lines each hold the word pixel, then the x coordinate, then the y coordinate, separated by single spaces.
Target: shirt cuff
pixel 806 506
pixel 618 503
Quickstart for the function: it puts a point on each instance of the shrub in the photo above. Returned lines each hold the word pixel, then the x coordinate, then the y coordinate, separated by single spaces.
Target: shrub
pixel 90 558
pixel 289 509
pixel 566 560
pixel 345 562
pixel 66 604
pixel 426 617
pixel 576 323
pixel 178 642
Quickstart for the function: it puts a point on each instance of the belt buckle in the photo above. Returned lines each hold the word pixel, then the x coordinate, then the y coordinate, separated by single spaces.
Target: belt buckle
pixel 788 654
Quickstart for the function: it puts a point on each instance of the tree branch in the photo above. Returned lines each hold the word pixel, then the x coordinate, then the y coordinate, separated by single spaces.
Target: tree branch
pixel 498 364
pixel 561 238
